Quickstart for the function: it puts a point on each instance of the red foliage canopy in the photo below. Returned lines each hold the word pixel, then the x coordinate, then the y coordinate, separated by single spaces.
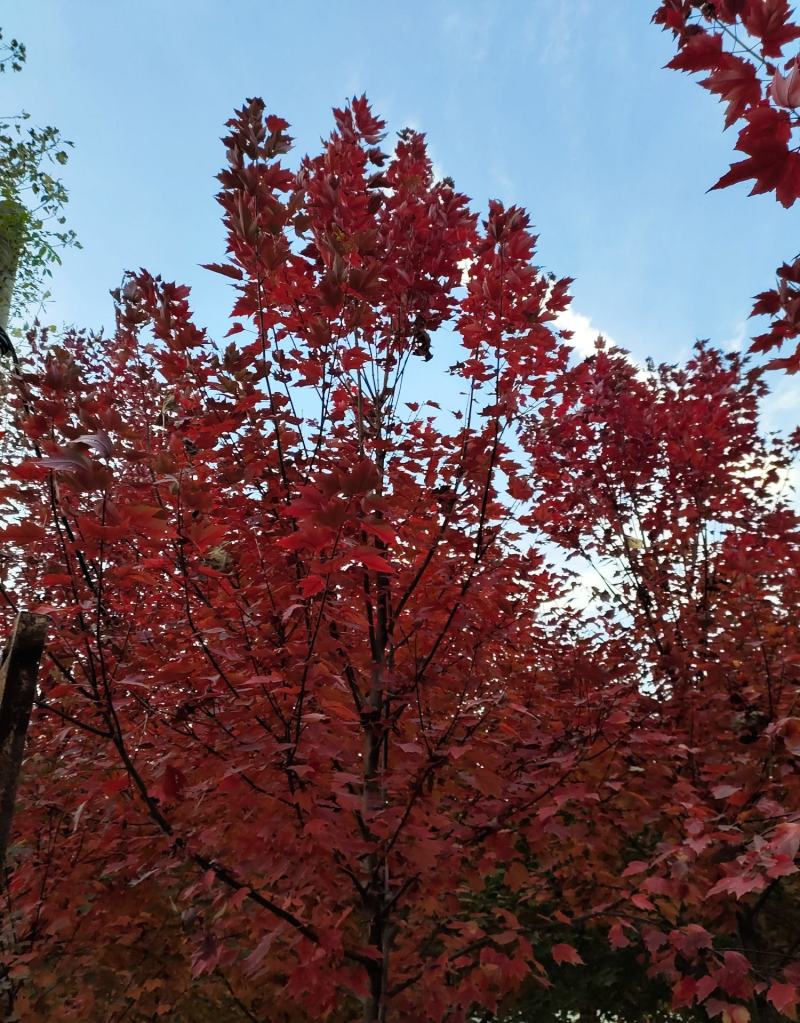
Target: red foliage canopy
pixel 313 688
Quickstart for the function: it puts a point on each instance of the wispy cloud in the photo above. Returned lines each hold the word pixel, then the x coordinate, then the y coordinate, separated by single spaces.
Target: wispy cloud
pixel 469 30
pixel 553 34
pixel 736 342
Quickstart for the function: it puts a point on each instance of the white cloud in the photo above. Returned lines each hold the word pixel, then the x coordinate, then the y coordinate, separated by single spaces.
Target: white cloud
pixel 506 189
pixel 779 408
pixel 581 595
pixel 786 486
pixel 584 332
pixel 737 341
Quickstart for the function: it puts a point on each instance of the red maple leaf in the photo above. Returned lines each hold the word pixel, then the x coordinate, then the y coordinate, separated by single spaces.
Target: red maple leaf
pixel 737 84
pixel 784 997
pixel 769 21
pixel 701 51
pixel 770 163
pixel 563 953
pixel 785 89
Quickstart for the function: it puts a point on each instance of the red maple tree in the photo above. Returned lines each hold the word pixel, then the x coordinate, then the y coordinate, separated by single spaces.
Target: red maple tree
pixel 313 689
pixel 660 480
pixel 294 640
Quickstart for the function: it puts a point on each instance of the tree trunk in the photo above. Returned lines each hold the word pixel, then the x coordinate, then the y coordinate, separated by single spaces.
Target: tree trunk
pixel 375 1004
pixel 12 235
pixel 18 675
pixel 374 718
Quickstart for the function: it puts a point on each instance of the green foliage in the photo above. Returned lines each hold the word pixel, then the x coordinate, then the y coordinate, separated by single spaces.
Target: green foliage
pixel 613 987
pixel 12 54
pixel 32 196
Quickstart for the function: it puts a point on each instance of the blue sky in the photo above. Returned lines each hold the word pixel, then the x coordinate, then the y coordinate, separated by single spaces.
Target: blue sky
pixel 561 106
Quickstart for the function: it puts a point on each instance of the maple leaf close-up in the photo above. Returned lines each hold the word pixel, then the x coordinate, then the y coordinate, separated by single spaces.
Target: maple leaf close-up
pixel 389 649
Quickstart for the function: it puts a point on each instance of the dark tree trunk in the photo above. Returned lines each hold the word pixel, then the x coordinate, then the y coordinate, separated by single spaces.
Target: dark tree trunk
pixel 18 675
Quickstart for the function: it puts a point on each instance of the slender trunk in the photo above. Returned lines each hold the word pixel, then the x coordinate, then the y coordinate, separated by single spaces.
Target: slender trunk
pixel 761 1010
pixel 377 873
pixel 374 797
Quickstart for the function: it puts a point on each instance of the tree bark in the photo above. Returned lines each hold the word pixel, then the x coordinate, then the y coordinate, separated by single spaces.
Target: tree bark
pixel 12 234
pixel 18 676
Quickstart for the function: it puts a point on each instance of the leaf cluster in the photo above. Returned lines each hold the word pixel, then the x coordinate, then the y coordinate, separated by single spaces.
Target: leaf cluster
pixel 33 197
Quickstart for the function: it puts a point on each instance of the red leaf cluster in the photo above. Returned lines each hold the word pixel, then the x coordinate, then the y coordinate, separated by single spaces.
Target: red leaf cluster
pixel 741 45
